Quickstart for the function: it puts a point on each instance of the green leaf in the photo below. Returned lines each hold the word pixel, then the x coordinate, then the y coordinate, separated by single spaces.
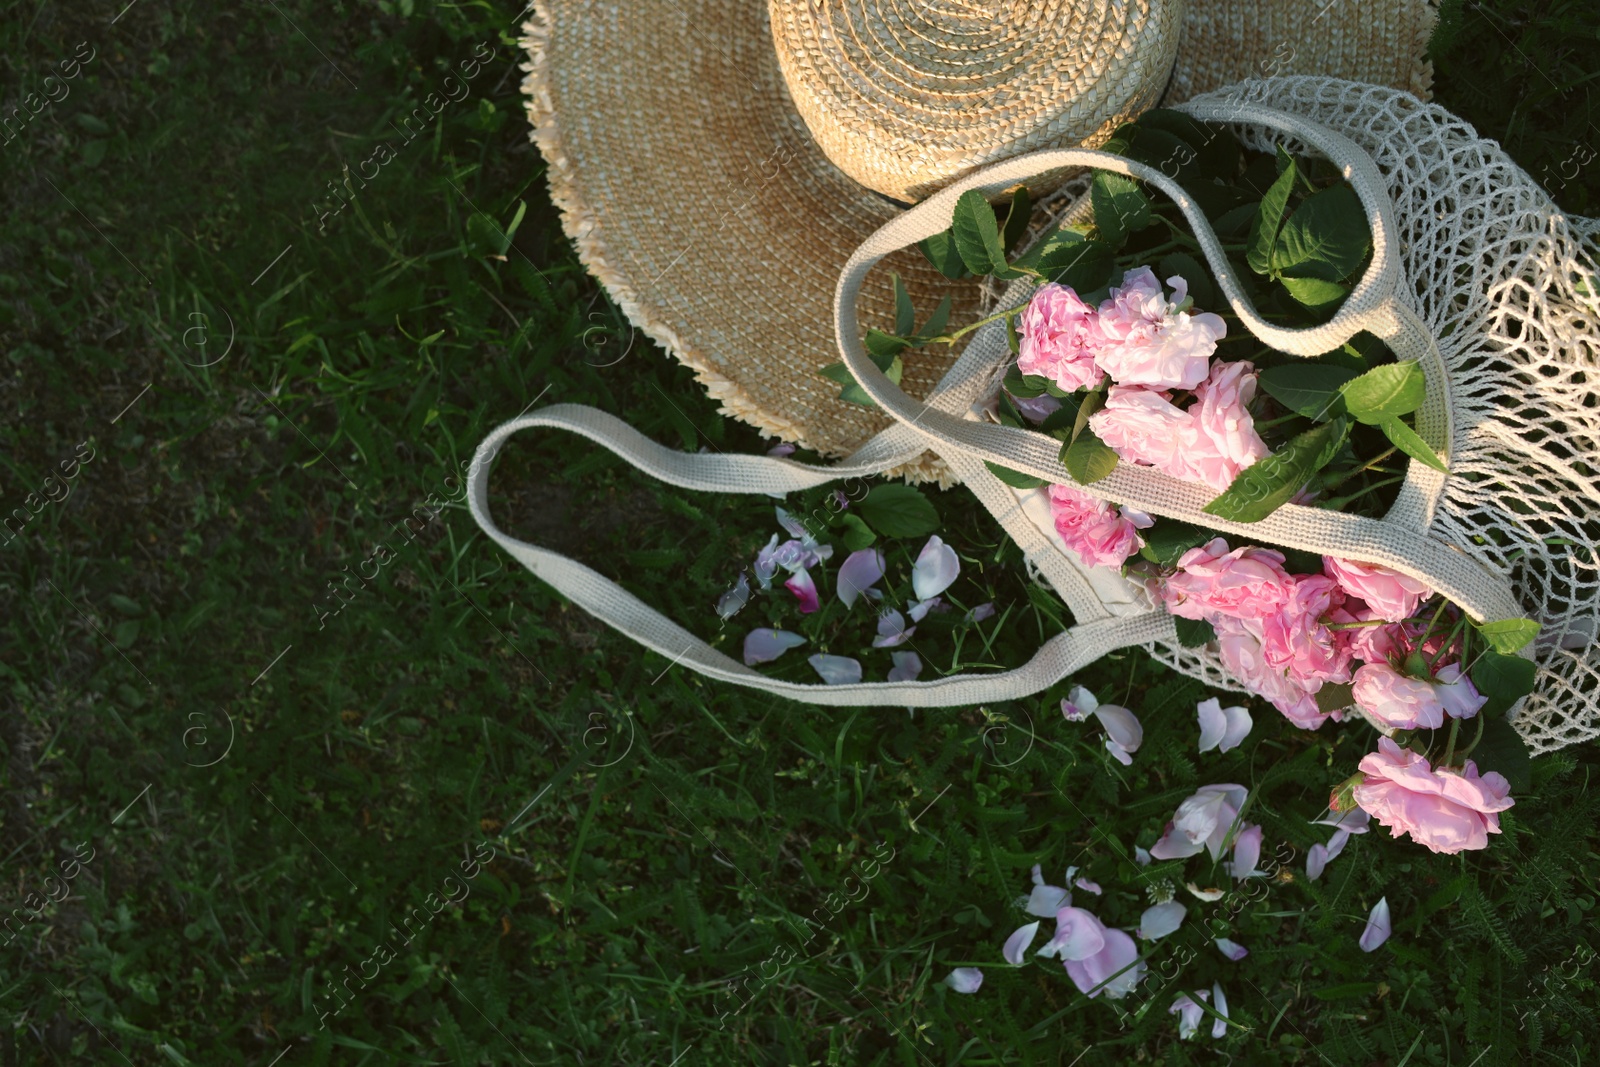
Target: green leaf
pixel 1190 270
pixel 1015 479
pixel 940 250
pixel 1088 459
pixel 94 152
pixel 1062 423
pixel 1386 391
pixel 1503 679
pixel 1217 150
pixel 882 344
pixel 1310 389
pixel 1263 487
pixel 1314 294
pixel 857 534
pixel 1407 441
pixel 1269 217
pixel 1236 220
pixel 905 316
pixel 1502 749
pixel 1016 226
pixel 1169 539
pixel 1120 207
pixel 896 510
pixel 1086 269
pixel 1026 386
pixel 1335 697
pixel 850 390
pixel 977 235
pixel 1008 413
pixel 937 322
pixel 1507 636
pixel 1327 237
pixel 1192 633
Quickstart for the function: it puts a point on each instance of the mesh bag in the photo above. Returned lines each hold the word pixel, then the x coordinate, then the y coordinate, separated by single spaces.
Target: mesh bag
pixel 1475 275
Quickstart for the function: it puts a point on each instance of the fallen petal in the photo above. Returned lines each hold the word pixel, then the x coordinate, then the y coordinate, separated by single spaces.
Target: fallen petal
pixel 858 573
pixel 892 630
pixel 1081 701
pixel 1019 942
pixel 782 450
pixel 1336 843
pixel 1079 935
pixel 1115 970
pixel 1378 926
pixel 918 608
pixel 1088 886
pixel 981 612
pixel 1046 900
pixel 1232 949
pixel 1122 725
pixel 1189 1014
pixel 790 526
pixel 1246 853
pixel 767 563
pixel 1213 724
pixel 1207 895
pixel 1161 919
pixel 1239 724
pixel 1355 821
pixel 1220 1003
pixel 965 979
pixel 765 645
pixel 1120 754
pixel 804 590
pixel 1316 861
pixel 935 569
pixel 733 601
pixel 836 670
pixel 907 665
pixel 1141 856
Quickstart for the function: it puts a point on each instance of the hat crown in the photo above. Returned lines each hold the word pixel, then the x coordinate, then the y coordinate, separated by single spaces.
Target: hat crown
pixel 907 96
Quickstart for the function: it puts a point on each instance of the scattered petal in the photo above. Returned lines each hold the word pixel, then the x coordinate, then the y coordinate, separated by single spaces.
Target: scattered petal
pixel 767 563
pixel 1354 821
pixel 1019 942
pixel 907 665
pixel 1079 935
pixel 1220 1003
pixel 1207 895
pixel 935 569
pixel 733 601
pixel 1246 853
pixel 1115 970
pixel 1221 728
pixel 892 630
pixel 981 612
pixel 1141 856
pixel 858 573
pixel 1201 822
pixel 1316 861
pixel 836 670
pixel 1118 753
pixel 765 645
pixel 1088 886
pixel 781 450
pixel 965 979
pixel 1079 703
pixel 804 590
pixel 1046 900
pixel 790 526
pixel 918 608
pixel 1159 920
pixel 1189 1014
pixel 1336 842
pixel 1378 926
pixel 1232 949
pixel 1038 874
pixel 1122 725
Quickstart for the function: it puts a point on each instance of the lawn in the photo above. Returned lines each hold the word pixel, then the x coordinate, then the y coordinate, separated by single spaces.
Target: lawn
pixel 320 775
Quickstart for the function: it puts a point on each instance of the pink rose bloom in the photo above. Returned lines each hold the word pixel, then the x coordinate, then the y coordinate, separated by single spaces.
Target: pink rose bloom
pixel 1246 583
pixel 1148 341
pixel 1227 430
pixel 1445 811
pixel 1392 596
pixel 1239 644
pixel 1296 638
pixel 1100 533
pixel 1142 426
pixel 1396 700
pixel 1375 644
pixel 1059 338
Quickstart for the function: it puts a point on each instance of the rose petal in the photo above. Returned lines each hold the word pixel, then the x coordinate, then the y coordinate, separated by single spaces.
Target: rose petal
pixel 1207 895
pixel 1079 935
pixel 765 645
pixel 918 608
pixel 1355 821
pixel 1081 699
pixel 781 450
pixel 790 526
pixel 1088 886
pixel 1336 843
pixel 1046 900
pixel 1220 1004
pixel 1141 856
pixel 804 590
pixel 981 612
pixel 859 572
pixel 935 569
pixel 1189 1014
pixel 1246 853
pixel 836 670
pixel 965 979
pixel 1239 724
pixel 1161 919
pixel 892 630
pixel 1378 926
pixel 733 601
pixel 1232 949
pixel 766 564
pixel 1122 725
pixel 1019 942
pixel 907 665
pixel 1213 724
pixel 1316 860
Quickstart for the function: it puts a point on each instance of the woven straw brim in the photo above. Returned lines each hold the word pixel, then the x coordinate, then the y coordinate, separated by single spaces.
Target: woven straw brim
pixel 695 194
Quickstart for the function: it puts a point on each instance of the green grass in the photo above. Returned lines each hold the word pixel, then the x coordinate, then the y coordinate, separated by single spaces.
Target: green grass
pixel 665 849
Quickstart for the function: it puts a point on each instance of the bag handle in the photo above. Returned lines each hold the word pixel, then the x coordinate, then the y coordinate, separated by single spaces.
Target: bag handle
pixel 1370 306
pixel 1058 657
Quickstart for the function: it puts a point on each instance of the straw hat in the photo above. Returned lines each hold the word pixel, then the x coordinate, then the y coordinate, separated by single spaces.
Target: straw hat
pixel 717 163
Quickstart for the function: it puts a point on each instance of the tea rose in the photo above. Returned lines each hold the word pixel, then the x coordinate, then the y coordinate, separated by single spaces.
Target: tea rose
pixel 1059 338
pixel 1102 534
pixel 1396 700
pixel 1443 810
pixel 1392 596
pixel 1225 425
pixel 1143 426
pixel 1297 638
pixel 1239 645
pixel 1148 341
pixel 1245 583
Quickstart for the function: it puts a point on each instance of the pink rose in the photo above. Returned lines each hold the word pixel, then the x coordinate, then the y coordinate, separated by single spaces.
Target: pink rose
pixel 1227 432
pixel 1060 338
pixel 1445 811
pixel 1246 583
pixel 1100 533
pixel 1296 638
pixel 1239 644
pixel 1149 341
pixel 1142 426
pixel 1376 644
pixel 1396 700
pixel 1391 595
